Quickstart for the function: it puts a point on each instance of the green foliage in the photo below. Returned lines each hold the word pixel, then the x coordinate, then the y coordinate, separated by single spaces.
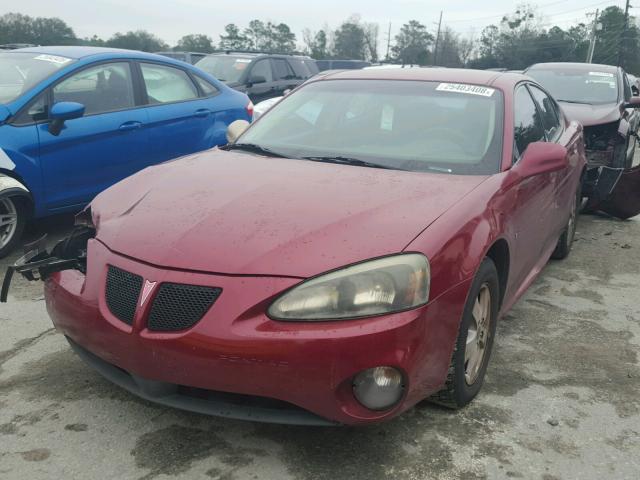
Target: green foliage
pixel 270 37
pixel 18 28
pixel 195 43
pixel 138 40
pixel 350 41
pixel 412 44
pixel 233 39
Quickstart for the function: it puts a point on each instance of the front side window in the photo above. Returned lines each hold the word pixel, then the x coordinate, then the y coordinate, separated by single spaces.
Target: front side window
pixel 407 125
pixel 167 84
pixel 105 88
pixel 528 126
pixel 550 116
pixel 19 72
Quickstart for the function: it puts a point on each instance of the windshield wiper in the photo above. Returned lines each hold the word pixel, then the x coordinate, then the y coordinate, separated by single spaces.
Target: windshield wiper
pixel 348 161
pixel 253 148
pixel 573 101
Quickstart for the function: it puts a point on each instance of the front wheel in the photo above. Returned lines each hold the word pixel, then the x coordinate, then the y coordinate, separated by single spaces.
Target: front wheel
pixel 475 340
pixel 12 223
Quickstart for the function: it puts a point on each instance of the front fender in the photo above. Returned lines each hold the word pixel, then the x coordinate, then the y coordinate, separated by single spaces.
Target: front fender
pixel 10 187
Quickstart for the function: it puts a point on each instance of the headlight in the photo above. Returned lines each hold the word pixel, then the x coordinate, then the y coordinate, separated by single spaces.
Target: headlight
pixel 376 287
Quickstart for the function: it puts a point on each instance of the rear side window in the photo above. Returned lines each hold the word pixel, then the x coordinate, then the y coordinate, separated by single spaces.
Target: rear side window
pixel 282 69
pixel 550 116
pixel 105 88
pixel 208 88
pixel 528 126
pixel 167 84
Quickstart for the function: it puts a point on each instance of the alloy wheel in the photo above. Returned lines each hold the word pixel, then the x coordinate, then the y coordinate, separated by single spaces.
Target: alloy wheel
pixel 8 221
pixel 478 335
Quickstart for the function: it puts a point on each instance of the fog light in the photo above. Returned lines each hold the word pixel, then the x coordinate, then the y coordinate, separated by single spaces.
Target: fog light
pixel 378 388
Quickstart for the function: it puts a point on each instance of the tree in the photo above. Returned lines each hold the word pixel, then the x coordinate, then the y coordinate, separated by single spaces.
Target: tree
pixel 233 39
pixel 371 39
pixel 611 39
pixel 412 44
pixel 283 40
pixel 195 43
pixel 18 28
pixel 257 35
pixel 350 41
pixel 138 40
pixel 316 44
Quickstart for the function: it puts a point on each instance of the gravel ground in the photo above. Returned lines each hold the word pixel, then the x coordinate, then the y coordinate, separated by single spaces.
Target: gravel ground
pixel 561 399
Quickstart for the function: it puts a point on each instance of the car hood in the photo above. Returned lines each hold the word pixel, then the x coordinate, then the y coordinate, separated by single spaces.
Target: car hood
pixel 237 213
pixel 589 115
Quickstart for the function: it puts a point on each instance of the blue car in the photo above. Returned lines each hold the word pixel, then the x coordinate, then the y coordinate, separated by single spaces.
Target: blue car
pixel 75 120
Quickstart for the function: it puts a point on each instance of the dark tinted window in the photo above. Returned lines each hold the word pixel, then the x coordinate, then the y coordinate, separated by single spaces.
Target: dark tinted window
pixel 282 69
pixel 100 89
pixel 550 116
pixel 528 128
pixel 262 68
pixel 300 69
pixel 627 87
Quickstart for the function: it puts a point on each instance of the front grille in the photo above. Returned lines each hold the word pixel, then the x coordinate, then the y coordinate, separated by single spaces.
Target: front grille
pixel 122 292
pixel 178 307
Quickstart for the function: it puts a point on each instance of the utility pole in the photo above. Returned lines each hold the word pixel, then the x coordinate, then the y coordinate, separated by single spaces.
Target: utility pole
pixel 388 43
pixel 435 50
pixel 592 43
pixel 623 37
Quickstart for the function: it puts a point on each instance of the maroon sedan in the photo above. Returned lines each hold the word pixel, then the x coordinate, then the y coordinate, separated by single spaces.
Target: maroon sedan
pixel 347 257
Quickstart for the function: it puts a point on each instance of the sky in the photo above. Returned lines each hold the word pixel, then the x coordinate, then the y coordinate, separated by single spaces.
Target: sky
pixel 172 19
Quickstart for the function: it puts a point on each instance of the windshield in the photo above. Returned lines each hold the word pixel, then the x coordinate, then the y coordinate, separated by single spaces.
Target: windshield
pixel 225 68
pixel 19 72
pixel 592 87
pixel 407 125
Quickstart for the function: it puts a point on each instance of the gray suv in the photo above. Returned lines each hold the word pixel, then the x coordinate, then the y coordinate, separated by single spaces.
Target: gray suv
pixel 259 75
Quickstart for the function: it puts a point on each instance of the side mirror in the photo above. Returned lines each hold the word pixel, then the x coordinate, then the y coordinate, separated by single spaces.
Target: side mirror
pixel 61 112
pixel 257 79
pixel 235 129
pixel 542 157
pixel 634 102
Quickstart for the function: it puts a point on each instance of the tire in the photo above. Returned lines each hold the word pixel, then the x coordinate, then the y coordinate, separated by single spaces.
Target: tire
pixel 565 242
pixel 466 371
pixel 13 218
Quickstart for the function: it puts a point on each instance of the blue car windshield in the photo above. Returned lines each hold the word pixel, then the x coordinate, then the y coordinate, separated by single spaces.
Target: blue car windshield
pixel 21 71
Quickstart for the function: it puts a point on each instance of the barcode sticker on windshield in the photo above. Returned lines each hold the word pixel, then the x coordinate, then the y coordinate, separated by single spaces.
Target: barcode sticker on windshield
pixel 53 59
pixel 601 74
pixel 464 88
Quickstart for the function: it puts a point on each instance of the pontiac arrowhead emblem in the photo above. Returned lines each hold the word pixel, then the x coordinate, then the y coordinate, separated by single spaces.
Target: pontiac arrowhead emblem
pixel 146 291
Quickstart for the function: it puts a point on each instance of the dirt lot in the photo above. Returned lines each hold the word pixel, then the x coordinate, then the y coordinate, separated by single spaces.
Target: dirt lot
pixel 561 399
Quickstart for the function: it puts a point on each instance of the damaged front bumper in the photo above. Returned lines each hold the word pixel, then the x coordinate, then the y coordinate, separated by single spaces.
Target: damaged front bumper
pixel 614 191
pixel 38 264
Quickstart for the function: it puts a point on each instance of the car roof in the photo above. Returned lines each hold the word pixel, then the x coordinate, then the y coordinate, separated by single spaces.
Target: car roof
pixel 78 53
pixel 453 75
pixel 575 66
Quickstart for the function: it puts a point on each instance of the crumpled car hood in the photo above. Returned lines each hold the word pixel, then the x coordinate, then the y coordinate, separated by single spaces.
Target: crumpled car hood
pixel 236 213
pixel 590 115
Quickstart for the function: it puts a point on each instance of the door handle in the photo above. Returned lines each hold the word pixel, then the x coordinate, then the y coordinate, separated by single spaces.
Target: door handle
pixel 203 112
pixel 129 126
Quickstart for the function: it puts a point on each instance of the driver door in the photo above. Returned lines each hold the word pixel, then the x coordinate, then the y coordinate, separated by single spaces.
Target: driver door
pixel 261 91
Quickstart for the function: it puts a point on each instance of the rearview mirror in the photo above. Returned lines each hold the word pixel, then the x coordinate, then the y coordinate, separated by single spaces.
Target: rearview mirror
pixel 256 79
pixel 61 112
pixel 235 129
pixel 634 102
pixel 542 157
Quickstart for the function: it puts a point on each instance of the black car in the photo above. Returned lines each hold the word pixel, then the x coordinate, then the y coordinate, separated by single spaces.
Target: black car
pixel 187 57
pixel 259 75
pixel 604 100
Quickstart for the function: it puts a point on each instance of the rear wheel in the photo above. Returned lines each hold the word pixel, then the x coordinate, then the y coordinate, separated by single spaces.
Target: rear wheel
pixel 12 222
pixel 475 340
pixel 565 242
